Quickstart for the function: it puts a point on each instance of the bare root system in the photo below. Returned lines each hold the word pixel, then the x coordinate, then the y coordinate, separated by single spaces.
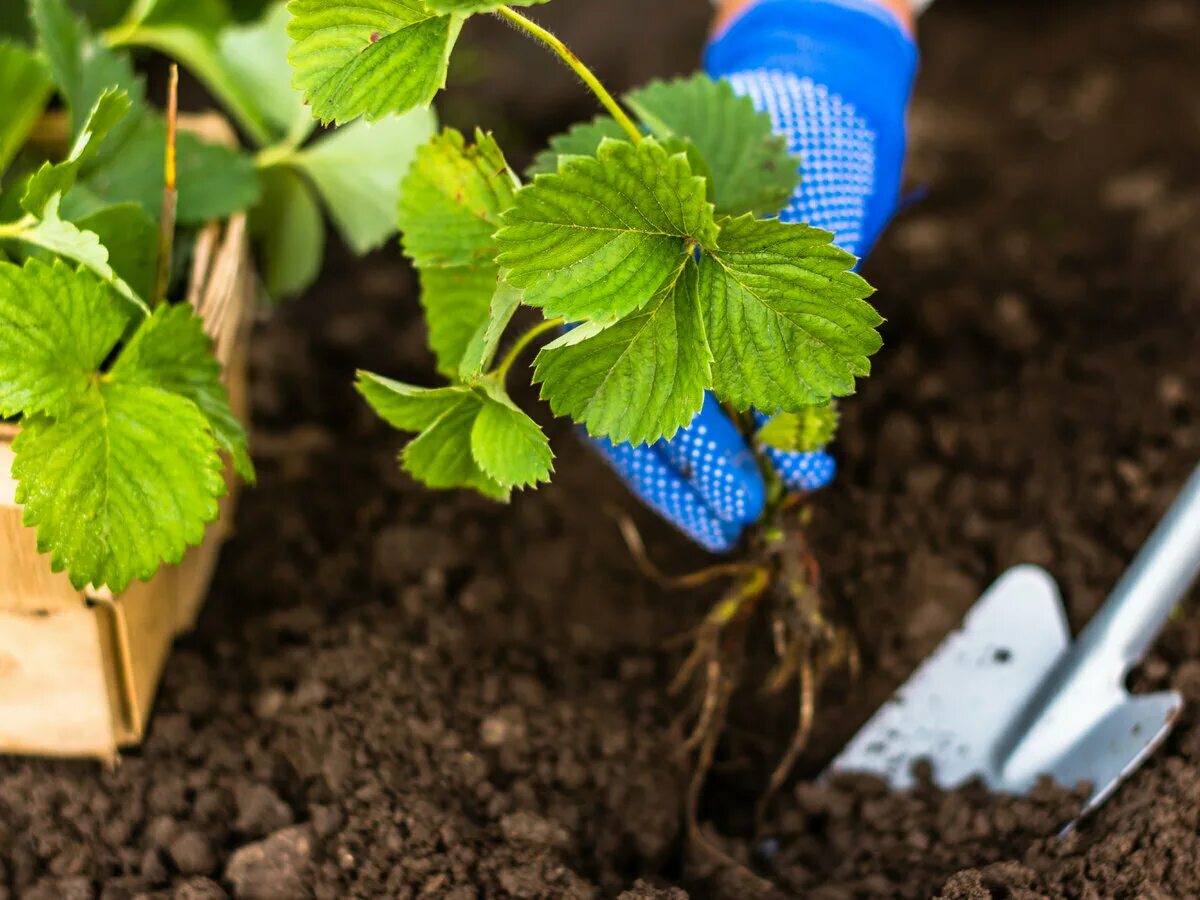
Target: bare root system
pixel 779 582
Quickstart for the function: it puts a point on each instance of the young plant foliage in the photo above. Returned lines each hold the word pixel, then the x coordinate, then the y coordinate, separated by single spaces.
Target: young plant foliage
pixel 467 435
pixel 600 238
pixel 450 207
pixel 639 238
pixel 785 315
pixel 748 167
pixel 369 57
pixel 637 380
pixel 117 468
pixel 800 432
pixel 26 86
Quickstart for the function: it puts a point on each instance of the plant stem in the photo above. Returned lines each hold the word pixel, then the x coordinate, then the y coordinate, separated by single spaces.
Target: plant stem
pixel 18 228
pixel 577 66
pixel 170 201
pixel 276 155
pixel 514 352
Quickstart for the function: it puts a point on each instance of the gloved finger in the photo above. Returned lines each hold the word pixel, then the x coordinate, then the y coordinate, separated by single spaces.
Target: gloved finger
pixel 835 77
pixel 800 471
pixel 716 461
pixel 665 490
pixel 803 472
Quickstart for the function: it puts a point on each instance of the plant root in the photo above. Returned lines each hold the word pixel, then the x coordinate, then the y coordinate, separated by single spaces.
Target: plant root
pixel 808 648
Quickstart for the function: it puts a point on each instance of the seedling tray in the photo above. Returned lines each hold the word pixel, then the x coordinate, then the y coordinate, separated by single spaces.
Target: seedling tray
pixel 79 669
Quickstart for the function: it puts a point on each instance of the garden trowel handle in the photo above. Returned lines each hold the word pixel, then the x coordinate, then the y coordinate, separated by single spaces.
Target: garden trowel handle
pixel 1139 605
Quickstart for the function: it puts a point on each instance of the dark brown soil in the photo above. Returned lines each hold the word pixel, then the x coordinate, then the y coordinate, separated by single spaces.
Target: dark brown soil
pixel 400 694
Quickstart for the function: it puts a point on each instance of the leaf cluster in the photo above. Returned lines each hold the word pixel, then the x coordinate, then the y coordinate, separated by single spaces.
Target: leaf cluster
pixel 124 418
pixel 651 251
pixel 643 238
pixel 125 421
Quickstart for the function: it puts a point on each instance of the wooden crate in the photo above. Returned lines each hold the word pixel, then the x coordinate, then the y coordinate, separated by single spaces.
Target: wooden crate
pixel 79 669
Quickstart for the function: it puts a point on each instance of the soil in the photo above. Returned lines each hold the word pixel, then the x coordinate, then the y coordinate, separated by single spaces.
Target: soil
pixel 399 694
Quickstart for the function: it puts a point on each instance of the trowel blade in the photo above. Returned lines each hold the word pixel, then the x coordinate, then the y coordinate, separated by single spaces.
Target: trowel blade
pixel 962 709
pixel 1116 744
pixel 956 708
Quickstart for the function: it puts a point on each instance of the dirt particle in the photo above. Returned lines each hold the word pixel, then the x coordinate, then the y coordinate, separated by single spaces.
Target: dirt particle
pixel 505 727
pixel 200 888
pixel 192 853
pixel 61 889
pixel 260 811
pixel 642 890
pixel 530 828
pixel 272 869
pixel 1187 680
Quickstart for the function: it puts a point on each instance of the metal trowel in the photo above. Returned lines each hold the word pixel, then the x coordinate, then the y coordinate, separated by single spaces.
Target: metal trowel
pixel 1009 697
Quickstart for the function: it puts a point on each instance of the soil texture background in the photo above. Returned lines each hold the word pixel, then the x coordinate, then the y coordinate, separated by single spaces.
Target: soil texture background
pixel 394 693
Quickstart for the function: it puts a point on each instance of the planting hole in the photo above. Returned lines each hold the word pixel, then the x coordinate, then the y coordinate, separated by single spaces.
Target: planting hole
pixel 1002 655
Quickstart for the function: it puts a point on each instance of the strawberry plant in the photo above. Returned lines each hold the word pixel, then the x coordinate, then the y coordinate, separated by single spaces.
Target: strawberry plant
pixel 642 230
pixel 647 247
pixel 125 423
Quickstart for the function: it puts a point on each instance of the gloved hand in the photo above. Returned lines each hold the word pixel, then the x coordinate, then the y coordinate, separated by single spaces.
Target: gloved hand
pixel 835 77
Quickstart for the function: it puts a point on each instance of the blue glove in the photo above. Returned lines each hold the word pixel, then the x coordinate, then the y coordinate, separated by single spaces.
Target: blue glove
pixel 835 77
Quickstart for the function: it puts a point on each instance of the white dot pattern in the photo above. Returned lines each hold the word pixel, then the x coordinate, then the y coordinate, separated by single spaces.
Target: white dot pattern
pixel 661 487
pixel 835 145
pixel 804 472
pixel 713 458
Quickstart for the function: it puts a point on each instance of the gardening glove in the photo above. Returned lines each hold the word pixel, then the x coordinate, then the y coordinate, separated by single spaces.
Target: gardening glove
pixel 835 77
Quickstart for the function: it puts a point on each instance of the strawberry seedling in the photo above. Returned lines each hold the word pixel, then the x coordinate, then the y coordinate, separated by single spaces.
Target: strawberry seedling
pixel 640 242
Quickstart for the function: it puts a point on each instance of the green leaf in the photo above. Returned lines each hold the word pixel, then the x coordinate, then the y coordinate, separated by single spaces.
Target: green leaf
pixel 785 316
pixel 26 86
pixel 752 170
pixel 583 139
pixel 59 236
pixel 405 407
pixel 14 21
pixel 171 351
pixel 117 469
pixel 481 349
pixel 440 456
pixel 290 232
pixel 456 301
pixel 368 57
pixel 473 437
pixel 61 37
pixel 82 67
pixel 190 32
pixel 466 7
pixel 57 326
pixel 55 179
pixel 214 181
pixel 452 199
pixel 125 481
pixel 255 55
pixel 638 380
pixel 598 239
pixel 507 445
pixel 812 428
pixel 131 238
pixel 450 207
pixel 357 170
